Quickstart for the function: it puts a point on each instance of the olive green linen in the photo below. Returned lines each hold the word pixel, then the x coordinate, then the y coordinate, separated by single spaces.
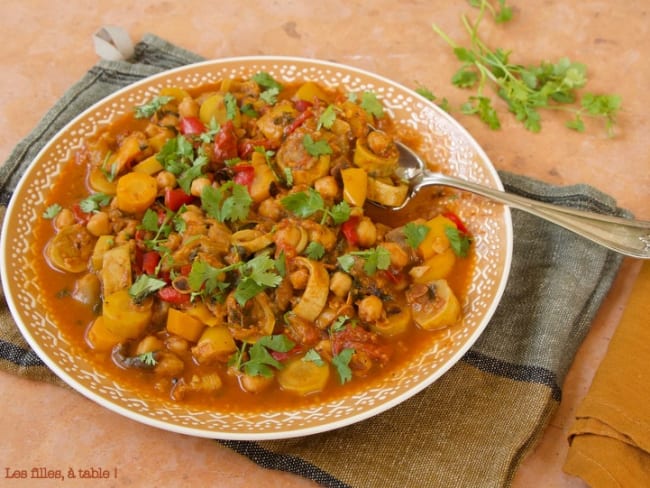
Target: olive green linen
pixel 474 425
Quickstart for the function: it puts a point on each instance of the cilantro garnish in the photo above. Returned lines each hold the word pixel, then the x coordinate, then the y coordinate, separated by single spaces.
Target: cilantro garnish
pixel 371 104
pixel 144 286
pixel 147 358
pixel 146 110
pixel 313 356
pixel 231 106
pixel 458 241
pixel 52 211
pixel 375 258
pixel 179 157
pixel 314 250
pixel 341 362
pixel 265 80
pixel 415 233
pixel 94 202
pixel 306 203
pixel 231 201
pixel 316 148
pixel 327 118
pixel 260 359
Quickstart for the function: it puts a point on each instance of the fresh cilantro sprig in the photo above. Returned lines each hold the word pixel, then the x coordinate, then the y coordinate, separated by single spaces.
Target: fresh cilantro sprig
pixel 255 276
pixel 146 110
pixel 526 90
pixel 341 362
pixel 144 286
pixel 371 104
pixel 260 359
pixel 272 87
pixel 94 202
pixel 459 241
pixel 231 201
pixel 307 203
pixel 326 118
pixel 315 250
pixel 148 358
pixel 179 157
pixel 375 258
pixel 415 233
pixel 52 211
pixel 316 148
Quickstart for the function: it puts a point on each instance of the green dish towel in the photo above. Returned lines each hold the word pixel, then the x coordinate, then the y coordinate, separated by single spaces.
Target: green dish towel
pixel 474 425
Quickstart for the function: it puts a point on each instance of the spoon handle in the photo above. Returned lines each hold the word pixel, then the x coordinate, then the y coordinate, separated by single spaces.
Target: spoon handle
pixel 628 237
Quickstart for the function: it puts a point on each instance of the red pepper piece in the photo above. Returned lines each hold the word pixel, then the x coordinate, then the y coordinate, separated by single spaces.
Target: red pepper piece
pixel 79 215
pixel 302 105
pixel 349 229
pixel 191 126
pixel 298 121
pixel 457 221
pixel 225 143
pixel 173 296
pixel 244 174
pixel 175 198
pixel 150 260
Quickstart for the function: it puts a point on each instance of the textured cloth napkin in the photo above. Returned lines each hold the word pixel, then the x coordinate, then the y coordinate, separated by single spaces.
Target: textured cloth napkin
pixel 474 425
pixel 610 439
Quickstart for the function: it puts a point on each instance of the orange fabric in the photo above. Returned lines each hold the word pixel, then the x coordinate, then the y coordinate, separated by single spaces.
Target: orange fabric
pixel 610 438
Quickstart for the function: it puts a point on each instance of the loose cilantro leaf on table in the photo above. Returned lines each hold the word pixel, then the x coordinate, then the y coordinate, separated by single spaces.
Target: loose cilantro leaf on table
pixel 527 90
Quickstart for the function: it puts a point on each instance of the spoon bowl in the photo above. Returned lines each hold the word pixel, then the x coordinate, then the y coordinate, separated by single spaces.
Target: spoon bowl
pixel 625 236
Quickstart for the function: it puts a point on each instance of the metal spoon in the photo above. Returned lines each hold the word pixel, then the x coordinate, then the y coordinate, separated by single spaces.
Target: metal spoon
pixel 628 237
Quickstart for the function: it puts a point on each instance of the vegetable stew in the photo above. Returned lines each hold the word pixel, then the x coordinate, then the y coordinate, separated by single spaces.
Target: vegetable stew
pixel 213 247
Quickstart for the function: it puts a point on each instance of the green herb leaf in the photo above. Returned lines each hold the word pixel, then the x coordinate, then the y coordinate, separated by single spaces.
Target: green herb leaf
pixel 148 109
pixel 459 241
pixel 144 286
pixel 340 212
pixel 316 148
pixel 147 358
pixel 415 234
pixel 341 362
pixel 371 104
pixel 304 204
pixel 270 96
pixel 315 250
pixel 313 356
pixel 265 80
pixel 327 118
pixel 94 202
pixel 52 211
pixel 231 201
pixel 375 258
pixel 232 109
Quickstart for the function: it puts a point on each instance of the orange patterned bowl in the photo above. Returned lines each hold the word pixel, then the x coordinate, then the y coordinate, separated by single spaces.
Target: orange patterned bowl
pixel 445 145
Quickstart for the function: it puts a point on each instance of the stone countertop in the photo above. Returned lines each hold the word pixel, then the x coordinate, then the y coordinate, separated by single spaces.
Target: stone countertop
pixel 48 47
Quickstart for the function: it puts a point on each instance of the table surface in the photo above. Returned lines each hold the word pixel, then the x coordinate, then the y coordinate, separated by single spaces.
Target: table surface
pixel 48 47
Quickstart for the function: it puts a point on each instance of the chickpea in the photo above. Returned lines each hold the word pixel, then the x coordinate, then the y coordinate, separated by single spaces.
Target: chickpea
pixel 398 256
pixel 370 309
pixel 149 344
pixel 291 237
pixel 299 279
pixel 198 185
pixel 64 218
pixel 327 187
pixel 270 209
pixel 165 180
pixel 367 232
pixel 340 284
pixel 99 224
pixel 188 107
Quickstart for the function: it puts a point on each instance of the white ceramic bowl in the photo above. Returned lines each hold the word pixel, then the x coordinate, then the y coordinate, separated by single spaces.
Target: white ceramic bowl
pixel 445 145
